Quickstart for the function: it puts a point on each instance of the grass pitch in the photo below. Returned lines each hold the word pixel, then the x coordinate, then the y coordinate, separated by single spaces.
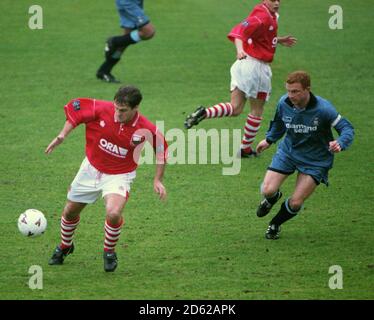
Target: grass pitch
pixel 205 242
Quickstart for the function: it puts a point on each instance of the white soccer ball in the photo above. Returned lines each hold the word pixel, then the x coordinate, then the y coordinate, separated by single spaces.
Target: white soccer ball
pixel 32 223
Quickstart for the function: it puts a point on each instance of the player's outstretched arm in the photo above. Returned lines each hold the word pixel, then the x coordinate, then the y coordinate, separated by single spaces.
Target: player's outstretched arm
pixel 158 186
pixel 287 41
pixel 262 146
pixel 68 127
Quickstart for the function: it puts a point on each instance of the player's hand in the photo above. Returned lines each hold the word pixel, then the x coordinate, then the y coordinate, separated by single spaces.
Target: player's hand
pixel 334 146
pixel 55 142
pixel 240 54
pixel 287 41
pixel 263 145
pixel 159 188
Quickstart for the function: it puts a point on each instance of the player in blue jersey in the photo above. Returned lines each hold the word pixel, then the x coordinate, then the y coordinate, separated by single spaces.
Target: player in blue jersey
pixel 136 26
pixel 308 148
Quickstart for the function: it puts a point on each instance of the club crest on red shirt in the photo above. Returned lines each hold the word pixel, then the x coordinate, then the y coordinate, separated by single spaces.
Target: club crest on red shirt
pixel 137 139
pixel 245 23
pixel 76 105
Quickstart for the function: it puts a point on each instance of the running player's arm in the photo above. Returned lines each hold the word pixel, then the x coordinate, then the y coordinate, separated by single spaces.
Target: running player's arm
pixel 276 131
pixel 77 111
pixel 242 32
pixel 287 41
pixel 240 53
pixel 68 127
pixel 245 29
pixel 343 127
pixel 346 133
pixel 160 148
pixel 277 128
pixel 158 186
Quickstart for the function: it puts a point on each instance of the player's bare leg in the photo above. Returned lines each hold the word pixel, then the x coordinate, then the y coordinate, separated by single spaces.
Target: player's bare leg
pixel 147 31
pixel 270 190
pixel 257 106
pixel 252 125
pixel 69 222
pixel 305 186
pixel 114 205
pixel 272 182
pixel 72 210
pixel 238 101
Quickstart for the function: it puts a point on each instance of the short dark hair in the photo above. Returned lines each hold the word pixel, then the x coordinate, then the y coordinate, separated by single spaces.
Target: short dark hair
pixel 301 77
pixel 129 96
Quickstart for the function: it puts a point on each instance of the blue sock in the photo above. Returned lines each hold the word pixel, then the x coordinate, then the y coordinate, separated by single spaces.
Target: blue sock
pixel 134 34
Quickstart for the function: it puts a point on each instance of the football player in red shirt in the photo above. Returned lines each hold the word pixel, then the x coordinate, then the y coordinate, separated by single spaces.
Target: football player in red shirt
pixel 115 135
pixel 255 39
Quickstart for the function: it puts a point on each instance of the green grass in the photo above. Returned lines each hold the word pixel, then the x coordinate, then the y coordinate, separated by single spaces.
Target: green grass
pixel 205 242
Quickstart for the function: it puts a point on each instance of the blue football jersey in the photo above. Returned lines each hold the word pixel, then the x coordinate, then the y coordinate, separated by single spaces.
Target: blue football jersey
pixel 308 131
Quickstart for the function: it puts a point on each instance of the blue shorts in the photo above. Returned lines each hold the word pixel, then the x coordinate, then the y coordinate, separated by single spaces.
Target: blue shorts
pixel 131 14
pixel 284 164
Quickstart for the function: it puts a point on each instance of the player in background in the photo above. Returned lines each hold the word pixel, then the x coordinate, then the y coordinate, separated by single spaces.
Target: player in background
pixel 255 39
pixel 115 134
pixel 136 26
pixel 308 148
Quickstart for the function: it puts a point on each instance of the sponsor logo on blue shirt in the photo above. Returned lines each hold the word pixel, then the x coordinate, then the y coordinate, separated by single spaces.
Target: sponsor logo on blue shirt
pixel 301 128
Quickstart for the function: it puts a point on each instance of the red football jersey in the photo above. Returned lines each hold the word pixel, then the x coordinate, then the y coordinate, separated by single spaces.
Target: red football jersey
pixel 258 33
pixel 113 147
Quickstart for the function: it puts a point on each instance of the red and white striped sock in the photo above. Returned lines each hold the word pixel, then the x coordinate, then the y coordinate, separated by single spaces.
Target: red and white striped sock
pixel 67 231
pixel 219 110
pixel 251 128
pixel 112 234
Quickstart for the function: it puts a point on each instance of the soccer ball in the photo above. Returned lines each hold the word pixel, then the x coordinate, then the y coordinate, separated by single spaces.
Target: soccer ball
pixel 32 223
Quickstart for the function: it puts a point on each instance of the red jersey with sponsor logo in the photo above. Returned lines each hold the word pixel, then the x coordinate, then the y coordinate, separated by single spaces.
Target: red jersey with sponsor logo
pixel 113 147
pixel 258 33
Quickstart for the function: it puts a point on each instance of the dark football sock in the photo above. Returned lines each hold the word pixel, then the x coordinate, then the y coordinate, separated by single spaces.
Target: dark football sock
pixel 108 65
pixel 122 41
pixel 119 44
pixel 283 215
pixel 273 199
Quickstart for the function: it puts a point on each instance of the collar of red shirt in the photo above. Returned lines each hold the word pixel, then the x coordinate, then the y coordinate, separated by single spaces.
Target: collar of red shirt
pixel 133 122
pixel 273 15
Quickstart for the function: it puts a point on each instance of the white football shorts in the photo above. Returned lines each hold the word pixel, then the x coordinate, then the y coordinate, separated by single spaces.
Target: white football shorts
pixel 253 77
pixel 89 184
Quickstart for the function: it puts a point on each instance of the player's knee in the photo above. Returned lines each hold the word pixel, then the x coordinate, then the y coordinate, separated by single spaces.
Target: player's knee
pixel 70 215
pixel 148 36
pixel 147 32
pixel 114 219
pixel 71 210
pixel 114 214
pixel 151 34
pixel 295 203
pixel 237 110
pixel 268 190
